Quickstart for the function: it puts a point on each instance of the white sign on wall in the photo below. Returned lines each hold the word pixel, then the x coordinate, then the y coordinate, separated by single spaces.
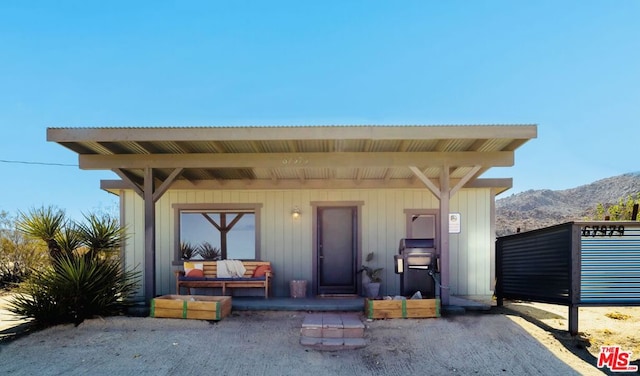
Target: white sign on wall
pixel 454 223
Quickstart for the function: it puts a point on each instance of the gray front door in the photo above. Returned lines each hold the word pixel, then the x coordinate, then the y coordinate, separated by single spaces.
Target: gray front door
pixel 337 238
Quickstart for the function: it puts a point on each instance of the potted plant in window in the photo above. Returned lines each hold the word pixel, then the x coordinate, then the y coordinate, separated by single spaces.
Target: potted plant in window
pixel 374 277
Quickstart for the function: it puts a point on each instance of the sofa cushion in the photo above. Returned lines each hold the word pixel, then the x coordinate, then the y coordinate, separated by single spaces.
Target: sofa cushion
pixel 184 278
pixel 244 279
pixel 261 270
pixel 206 279
pixel 193 269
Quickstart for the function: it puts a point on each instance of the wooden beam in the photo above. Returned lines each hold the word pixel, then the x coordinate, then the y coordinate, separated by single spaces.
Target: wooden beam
pixel 213 184
pixel 166 184
pixel 464 180
pixel 387 175
pixel 128 178
pixel 274 177
pixel 296 160
pixel 426 181
pixel 300 174
pixel 291 133
pixel 513 145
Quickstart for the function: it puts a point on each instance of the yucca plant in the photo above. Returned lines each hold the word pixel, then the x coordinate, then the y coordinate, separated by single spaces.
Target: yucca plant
pixel 82 280
pixel 69 238
pixel 43 223
pixel 102 235
pixel 209 252
pixel 187 250
pixel 75 289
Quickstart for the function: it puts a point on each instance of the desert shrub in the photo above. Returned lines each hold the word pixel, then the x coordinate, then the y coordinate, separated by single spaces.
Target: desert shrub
pixel 18 255
pixel 84 277
pixel 622 211
pixel 74 289
pixel 617 316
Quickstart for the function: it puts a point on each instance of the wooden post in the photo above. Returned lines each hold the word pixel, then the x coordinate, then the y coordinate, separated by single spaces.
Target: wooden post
pixel 444 235
pixel 498 288
pixel 573 319
pixel 149 237
pixel 575 277
pixel 223 235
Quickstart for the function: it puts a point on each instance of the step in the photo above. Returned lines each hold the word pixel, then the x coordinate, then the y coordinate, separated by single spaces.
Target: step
pixel 332 331
pixel 333 344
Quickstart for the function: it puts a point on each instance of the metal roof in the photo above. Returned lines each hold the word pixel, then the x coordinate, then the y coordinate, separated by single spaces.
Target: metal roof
pixel 296 156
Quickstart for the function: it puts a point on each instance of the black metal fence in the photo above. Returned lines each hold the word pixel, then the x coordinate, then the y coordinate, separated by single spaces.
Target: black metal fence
pixel 574 264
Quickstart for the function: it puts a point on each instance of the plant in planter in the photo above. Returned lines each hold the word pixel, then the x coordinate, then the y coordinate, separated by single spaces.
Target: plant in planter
pixel 374 275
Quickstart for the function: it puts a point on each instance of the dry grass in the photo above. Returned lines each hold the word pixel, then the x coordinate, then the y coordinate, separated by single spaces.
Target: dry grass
pixel 617 316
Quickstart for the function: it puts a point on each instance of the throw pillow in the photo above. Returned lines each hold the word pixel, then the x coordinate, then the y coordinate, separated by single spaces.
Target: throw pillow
pixel 193 269
pixel 261 271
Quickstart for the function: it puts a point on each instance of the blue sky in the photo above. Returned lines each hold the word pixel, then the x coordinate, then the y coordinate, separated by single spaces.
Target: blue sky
pixel 572 67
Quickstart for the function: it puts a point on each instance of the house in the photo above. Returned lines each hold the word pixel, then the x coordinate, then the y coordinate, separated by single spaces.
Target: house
pixel 313 200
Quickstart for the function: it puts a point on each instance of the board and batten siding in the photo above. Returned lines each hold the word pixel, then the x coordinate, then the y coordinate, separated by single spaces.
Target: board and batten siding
pixel 287 242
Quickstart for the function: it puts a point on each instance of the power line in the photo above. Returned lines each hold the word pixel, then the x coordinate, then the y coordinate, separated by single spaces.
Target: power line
pixel 38 163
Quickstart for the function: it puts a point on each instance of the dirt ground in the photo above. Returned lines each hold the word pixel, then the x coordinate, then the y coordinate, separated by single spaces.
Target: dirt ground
pixel 518 339
pixel 598 326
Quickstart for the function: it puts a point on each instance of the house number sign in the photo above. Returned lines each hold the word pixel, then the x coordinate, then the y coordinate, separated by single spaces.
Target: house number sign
pixel 604 230
pixel 297 161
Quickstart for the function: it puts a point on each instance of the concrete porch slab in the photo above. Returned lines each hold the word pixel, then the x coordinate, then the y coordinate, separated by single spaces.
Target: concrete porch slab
pixel 355 304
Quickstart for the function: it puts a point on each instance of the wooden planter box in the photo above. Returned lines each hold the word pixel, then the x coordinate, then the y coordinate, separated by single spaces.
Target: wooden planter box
pixel 399 309
pixel 198 307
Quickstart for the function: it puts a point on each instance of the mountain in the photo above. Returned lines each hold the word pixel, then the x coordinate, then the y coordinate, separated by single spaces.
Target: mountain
pixel 534 209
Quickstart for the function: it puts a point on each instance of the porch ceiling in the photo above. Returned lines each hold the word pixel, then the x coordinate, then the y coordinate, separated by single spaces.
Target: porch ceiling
pixel 296 157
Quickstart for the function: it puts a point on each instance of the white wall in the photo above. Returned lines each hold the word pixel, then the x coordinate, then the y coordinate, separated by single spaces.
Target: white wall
pixel 287 243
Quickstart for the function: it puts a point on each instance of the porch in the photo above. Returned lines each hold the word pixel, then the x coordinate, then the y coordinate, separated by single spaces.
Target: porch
pixel 304 194
pixel 457 304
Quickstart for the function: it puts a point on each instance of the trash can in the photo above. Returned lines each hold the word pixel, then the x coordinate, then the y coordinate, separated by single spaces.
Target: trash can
pixel 298 288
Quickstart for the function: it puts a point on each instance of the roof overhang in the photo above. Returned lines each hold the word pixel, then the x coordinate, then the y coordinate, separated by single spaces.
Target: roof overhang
pixel 297 157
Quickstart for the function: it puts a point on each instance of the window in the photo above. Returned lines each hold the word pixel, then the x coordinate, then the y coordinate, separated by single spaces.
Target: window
pixel 217 233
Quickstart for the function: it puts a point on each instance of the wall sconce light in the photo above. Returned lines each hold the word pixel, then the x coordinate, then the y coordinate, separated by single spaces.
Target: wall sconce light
pixel 295 213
